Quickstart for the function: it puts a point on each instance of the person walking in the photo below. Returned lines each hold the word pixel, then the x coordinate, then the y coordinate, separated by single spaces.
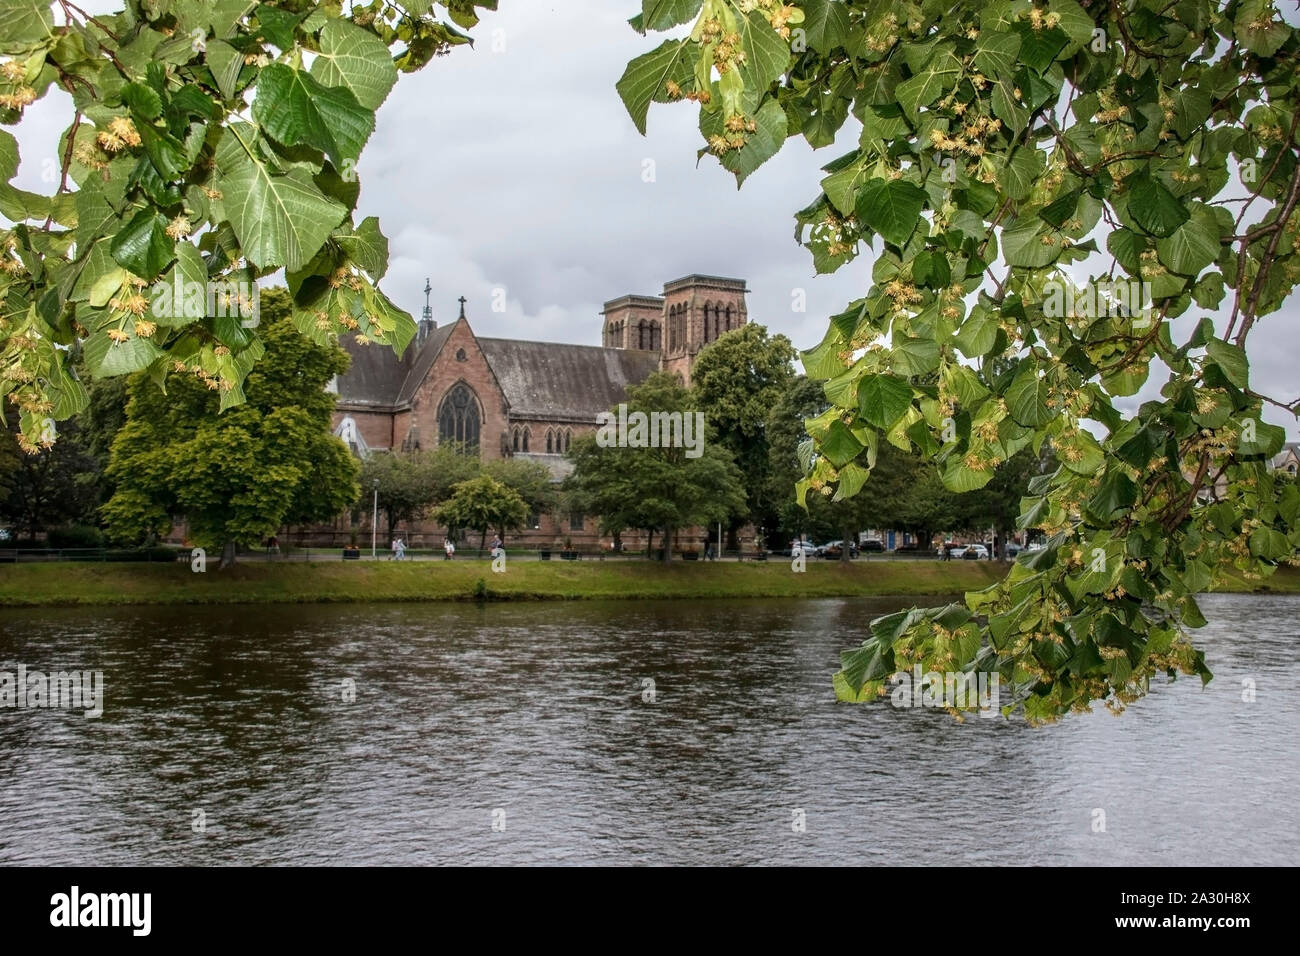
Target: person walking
pixel 448 549
pixel 399 547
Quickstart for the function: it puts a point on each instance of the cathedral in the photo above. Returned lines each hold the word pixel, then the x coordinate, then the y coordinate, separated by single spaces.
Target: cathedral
pixel 515 398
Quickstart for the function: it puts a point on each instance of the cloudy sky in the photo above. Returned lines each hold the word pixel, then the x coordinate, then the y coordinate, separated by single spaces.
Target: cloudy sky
pixel 513 166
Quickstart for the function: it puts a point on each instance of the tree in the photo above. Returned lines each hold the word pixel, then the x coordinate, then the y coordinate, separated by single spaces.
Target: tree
pixel 49 485
pixel 482 504
pixel 236 477
pixel 736 381
pixel 996 137
pixel 410 483
pixel 895 478
pixel 201 155
pixel 664 488
pixel 530 480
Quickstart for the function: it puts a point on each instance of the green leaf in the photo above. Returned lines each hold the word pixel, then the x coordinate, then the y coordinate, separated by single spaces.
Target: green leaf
pixel 839 445
pixel 1039 48
pixel 1269 440
pixel 937 77
pixel 892 207
pixel 367 247
pixel 1023 246
pixel 995 52
pixel 1022 170
pixel 1154 208
pixel 960 479
pixel 665 14
pixel 913 355
pixel 1116 494
pixel 826 24
pixel 107 358
pixel 1193 245
pixel 977 335
pixel 883 400
pixel 761 145
pixel 26 22
pixel 142 245
pixel 356 59
pixel 1231 359
pixel 277 25
pixel 296 110
pixel 8 155
pixel 225 62
pixel 1027 398
pixel 767 56
pixel 281 220
pixel 646 78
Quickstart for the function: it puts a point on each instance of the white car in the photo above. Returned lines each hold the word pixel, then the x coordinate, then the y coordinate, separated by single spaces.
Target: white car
pixel 975 552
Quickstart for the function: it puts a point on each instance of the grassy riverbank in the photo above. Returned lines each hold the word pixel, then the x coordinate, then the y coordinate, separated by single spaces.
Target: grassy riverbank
pixel 69 584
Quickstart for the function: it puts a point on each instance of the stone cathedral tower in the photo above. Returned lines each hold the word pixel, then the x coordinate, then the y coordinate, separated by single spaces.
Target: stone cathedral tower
pixel 692 312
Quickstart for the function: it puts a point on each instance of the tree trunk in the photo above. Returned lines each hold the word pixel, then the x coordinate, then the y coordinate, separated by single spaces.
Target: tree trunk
pixel 482 540
pixel 650 545
pixel 846 544
pixel 227 555
pixel 668 545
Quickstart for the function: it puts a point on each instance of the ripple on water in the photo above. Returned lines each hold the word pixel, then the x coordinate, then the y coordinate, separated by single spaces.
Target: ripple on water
pixel 538 711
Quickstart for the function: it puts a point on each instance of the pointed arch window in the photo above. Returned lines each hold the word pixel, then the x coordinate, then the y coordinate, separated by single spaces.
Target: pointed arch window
pixel 550 440
pixel 460 417
pixel 527 434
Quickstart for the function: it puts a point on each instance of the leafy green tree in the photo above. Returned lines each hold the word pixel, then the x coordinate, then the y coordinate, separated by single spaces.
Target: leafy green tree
pixel 410 483
pixel 239 476
pixel 50 485
pixel 996 138
pixel 736 381
pixel 663 489
pixel 202 153
pixel 530 480
pixel 898 480
pixel 483 504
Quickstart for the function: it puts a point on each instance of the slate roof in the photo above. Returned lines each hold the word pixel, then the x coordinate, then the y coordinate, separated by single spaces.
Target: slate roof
pixel 1280 458
pixel 543 380
pixel 551 381
pixel 377 377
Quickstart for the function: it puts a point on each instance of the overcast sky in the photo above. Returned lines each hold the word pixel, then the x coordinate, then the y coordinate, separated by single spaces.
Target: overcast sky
pixel 514 166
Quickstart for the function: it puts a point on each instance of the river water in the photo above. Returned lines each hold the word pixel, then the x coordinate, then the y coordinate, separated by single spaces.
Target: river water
pixel 526 733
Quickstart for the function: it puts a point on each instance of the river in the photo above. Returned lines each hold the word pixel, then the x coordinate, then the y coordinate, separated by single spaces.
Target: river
pixel 526 733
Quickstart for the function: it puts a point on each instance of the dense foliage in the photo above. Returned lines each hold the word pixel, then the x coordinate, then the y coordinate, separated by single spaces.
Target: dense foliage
pixel 238 477
pixel 1019 165
pixel 213 142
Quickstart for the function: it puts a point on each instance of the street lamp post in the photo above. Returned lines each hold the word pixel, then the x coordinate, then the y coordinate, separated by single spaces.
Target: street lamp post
pixel 374 522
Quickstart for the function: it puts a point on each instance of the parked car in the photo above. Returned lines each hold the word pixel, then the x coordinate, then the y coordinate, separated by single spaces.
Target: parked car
pixel 833 549
pixel 872 544
pixel 954 550
pixel 4 534
pixel 975 552
pixel 1013 549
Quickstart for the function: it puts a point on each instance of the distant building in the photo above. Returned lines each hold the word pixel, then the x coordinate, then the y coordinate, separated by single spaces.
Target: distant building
pixel 517 398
